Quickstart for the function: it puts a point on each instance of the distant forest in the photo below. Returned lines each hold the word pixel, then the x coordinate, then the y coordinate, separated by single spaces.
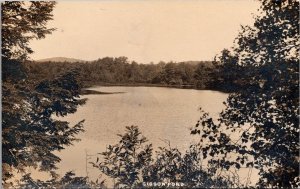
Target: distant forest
pixel 120 71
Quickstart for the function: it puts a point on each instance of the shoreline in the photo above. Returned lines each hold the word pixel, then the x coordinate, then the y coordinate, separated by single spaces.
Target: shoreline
pixel 86 91
pixel 89 92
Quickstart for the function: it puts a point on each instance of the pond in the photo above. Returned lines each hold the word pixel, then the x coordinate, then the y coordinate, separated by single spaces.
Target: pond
pixel 162 115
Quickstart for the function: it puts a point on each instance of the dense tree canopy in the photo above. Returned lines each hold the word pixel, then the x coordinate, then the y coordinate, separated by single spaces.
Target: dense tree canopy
pixel 30 132
pixel 120 71
pixel 265 114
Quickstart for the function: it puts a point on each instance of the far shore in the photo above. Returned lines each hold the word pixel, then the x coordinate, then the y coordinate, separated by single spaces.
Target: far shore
pixel 87 91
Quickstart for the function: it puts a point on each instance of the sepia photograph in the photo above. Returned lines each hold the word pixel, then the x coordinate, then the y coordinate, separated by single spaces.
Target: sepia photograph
pixel 150 94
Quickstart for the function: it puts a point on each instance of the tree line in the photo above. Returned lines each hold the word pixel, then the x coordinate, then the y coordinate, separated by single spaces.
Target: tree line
pixel 120 71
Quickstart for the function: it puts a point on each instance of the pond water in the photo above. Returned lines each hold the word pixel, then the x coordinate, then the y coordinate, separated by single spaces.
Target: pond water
pixel 162 114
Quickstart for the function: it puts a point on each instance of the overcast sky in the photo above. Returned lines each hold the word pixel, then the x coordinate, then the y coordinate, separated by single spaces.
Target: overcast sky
pixel 144 31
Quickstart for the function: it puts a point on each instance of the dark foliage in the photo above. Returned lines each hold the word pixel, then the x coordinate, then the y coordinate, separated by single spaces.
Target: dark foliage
pixel 119 71
pixel 68 181
pixel 125 161
pixel 28 125
pixel 170 165
pixel 21 22
pixel 130 164
pixel 265 114
pixel 30 130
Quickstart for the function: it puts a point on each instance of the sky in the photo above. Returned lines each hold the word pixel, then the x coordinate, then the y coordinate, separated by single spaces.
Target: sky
pixel 144 30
